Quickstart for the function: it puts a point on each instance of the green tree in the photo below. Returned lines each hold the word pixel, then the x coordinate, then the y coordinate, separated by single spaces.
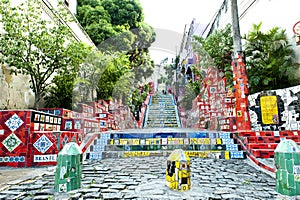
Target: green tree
pixel 270 59
pixel 116 67
pixel 139 55
pixel 61 93
pixel 89 74
pixel 127 13
pixel 92 3
pixel 216 50
pixel 36 47
pixel 117 26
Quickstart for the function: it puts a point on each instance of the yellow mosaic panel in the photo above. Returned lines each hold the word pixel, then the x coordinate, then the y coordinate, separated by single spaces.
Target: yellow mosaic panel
pixel 135 141
pixel 136 154
pixel 227 155
pixel 200 154
pixel 124 141
pixel 193 141
pixel 203 140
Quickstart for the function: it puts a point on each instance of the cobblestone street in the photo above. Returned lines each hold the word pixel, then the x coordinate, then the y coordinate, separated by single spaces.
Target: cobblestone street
pixel 144 178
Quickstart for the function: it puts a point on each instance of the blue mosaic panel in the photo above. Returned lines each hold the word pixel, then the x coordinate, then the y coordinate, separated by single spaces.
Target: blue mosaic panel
pixel 232 147
pixel 12 159
pixel 224 135
pixel 11 142
pixel 228 141
pixel 43 144
pixel 237 154
pixel 95 156
pixel 14 122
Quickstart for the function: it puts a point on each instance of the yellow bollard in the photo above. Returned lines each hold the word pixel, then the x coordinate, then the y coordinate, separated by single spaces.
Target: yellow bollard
pixel 178 171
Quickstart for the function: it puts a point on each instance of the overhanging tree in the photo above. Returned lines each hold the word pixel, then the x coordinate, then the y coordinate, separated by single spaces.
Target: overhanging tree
pixel 33 46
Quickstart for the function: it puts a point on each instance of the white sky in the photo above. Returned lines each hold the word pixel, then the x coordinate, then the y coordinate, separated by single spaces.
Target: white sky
pixel 169 17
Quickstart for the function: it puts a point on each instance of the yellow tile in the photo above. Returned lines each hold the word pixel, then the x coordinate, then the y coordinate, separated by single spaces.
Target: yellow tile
pixel 227 155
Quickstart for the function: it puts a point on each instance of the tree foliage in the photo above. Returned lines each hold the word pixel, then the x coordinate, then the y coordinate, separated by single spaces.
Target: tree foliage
pixel 116 67
pixel 36 47
pixel 270 59
pixel 216 50
pixel 117 26
pixel 128 13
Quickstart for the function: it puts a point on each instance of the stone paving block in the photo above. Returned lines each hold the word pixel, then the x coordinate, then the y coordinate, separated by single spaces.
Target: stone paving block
pixel 112 196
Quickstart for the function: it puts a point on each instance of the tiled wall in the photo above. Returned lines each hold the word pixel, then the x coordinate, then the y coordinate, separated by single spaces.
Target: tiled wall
pixel 31 138
pixel 288 104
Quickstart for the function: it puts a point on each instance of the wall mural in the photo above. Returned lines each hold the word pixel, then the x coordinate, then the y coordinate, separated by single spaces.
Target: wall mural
pixel 281 109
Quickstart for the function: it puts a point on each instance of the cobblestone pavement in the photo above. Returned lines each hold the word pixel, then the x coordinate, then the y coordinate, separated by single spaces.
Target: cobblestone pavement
pixel 144 178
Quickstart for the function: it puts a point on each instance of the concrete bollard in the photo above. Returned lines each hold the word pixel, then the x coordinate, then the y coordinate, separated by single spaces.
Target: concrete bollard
pixel 68 168
pixel 287 162
pixel 178 171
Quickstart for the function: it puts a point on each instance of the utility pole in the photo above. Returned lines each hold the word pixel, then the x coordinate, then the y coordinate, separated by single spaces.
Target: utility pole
pixel 240 78
pixel 237 44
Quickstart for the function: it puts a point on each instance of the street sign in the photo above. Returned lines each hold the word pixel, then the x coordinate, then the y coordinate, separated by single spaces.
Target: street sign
pixel 296 28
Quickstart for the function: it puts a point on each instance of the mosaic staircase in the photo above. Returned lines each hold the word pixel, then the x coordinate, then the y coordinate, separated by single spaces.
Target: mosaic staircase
pixel 161 112
pixel 162 141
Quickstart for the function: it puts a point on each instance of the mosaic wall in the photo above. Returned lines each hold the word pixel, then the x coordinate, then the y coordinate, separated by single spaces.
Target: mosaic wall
pixel 283 109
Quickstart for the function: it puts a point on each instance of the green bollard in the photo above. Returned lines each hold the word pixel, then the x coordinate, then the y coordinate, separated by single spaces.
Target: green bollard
pixel 287 162
pixel 68 168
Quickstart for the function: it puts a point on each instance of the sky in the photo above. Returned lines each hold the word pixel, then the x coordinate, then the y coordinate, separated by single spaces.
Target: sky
pixel 169 17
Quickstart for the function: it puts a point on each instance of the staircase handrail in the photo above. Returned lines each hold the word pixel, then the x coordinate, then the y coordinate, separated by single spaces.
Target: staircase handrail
pixel 177 112
pixel 145 118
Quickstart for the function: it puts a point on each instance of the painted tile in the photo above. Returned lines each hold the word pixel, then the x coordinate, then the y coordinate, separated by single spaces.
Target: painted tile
pixel 43 144
pixel 11 142
pixel 14 122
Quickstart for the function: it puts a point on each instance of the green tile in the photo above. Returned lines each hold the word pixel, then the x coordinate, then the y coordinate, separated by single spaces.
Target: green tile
pixel 297 188
pixel 296 157
pixel 282 163
pixel 284 177
pixel 291 180
pixel 279 187
pixel 292 192
pixel 288 155
pixel 286 191
pixel 276 158
pixel 289 165
pixel 277 175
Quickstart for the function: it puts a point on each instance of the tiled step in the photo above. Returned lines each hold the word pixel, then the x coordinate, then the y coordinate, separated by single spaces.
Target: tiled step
pixel 263 153
pixel 270 133
pixel 268 139
pixel 262 146
pixel 173 116
pixel 94 152
pixel 199 154
pixel 161 112
pixel 159 120
pixel 196 137
pixel 190 147
pixel 162 125
pixel 162 142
